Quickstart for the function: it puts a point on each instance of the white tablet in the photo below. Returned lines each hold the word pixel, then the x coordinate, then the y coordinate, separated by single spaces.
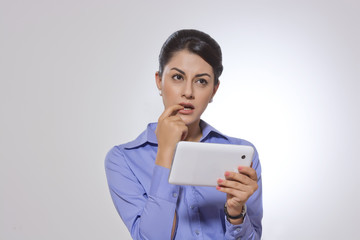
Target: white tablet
pixel 201 164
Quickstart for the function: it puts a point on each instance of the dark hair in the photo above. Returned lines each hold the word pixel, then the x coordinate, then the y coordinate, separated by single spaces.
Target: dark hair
pixel 196 42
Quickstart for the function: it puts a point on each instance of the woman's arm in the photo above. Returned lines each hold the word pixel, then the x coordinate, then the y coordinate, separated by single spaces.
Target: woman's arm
pixel 147 215
pixel 170 130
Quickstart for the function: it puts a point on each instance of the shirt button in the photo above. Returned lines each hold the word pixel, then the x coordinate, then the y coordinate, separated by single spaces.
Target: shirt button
pixel 175 194
pixel 237 230
pixel 192 207
pixel 197 232
pixel 238 239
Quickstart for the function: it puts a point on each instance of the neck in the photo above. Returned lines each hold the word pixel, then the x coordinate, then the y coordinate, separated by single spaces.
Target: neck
pixel 194 132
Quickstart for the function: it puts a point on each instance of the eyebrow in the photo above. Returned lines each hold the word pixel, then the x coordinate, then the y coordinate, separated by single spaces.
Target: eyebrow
pixel 197 75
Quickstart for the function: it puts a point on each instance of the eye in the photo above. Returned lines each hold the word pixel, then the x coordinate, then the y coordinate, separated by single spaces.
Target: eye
pixel 177 77
pixel 202 81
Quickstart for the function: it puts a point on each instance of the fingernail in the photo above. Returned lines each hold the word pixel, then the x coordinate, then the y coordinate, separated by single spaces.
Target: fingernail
pixel 218 188
pixel 220 180
pixel 227 174
pixel 240 168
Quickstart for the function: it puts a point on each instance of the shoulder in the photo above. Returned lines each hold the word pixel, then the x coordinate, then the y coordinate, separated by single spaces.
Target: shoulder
pixel 115 156
pixel 118 153
pixel 239 141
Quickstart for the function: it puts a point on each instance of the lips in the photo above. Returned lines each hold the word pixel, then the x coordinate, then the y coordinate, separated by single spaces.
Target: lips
pixel 188 108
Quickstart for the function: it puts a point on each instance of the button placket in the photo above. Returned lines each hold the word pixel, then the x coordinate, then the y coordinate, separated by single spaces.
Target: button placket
pixel 195 212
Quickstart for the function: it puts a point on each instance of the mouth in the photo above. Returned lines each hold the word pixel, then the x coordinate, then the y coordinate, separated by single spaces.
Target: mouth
pixel 188 109
pixel 187 106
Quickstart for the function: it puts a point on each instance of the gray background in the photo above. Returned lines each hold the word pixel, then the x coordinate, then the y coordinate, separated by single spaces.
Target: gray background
pixel 77 77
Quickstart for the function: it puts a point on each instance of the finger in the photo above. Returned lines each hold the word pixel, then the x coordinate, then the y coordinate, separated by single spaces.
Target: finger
pixel 248 171
pixel 184 130
pixel 237 189
pixel 179 125
pixel 177 122
pixel 184 134
pixel 170 111
pixel 176 119
pixel 240 195
pixel 239 177
pixel 233 184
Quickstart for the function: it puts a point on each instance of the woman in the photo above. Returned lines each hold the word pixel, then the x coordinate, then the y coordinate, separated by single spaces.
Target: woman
pixel 190 64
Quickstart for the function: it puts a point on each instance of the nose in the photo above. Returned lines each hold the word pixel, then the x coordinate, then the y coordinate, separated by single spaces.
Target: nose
pixel 188 90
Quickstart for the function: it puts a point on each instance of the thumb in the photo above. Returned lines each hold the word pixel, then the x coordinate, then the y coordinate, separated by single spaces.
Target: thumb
pixel 184 134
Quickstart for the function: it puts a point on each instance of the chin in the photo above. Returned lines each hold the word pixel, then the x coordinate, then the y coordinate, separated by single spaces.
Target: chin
pixel 188 120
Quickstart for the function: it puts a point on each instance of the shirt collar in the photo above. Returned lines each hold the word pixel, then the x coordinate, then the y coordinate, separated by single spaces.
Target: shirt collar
pixel 149 136
pixel 209 131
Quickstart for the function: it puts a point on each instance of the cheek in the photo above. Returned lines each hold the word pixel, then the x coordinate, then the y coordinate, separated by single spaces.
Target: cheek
pixel 202 104
pixel 172 89
pixel 169 94
pixel 205 98
pixel 205 104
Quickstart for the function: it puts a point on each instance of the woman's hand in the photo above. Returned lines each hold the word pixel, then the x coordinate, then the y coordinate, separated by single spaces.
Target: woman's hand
pixel 238 188
pixel 169 131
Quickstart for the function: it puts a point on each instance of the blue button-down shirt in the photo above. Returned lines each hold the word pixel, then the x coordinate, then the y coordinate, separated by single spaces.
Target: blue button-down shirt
pixel 147 202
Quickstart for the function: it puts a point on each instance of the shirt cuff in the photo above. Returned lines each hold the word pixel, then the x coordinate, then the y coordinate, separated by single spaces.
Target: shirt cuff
pixel 160 186
pixel 237 231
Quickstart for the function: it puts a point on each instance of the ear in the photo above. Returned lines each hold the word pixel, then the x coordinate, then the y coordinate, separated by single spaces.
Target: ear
pixel 158 80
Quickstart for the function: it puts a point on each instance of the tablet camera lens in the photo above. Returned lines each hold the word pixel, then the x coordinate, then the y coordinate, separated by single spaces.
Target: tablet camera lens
pixel 243 156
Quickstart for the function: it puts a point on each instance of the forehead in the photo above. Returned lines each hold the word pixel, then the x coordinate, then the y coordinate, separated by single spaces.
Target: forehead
pixel 189 62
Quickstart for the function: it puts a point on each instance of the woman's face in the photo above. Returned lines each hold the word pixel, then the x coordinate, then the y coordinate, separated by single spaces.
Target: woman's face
pixel 187 80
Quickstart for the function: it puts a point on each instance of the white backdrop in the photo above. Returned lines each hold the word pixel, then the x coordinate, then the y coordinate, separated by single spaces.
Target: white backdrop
pixel 77 77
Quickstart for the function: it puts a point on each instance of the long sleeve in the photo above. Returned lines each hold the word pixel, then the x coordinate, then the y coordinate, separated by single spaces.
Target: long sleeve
pixel 147 214
pixel 251 228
